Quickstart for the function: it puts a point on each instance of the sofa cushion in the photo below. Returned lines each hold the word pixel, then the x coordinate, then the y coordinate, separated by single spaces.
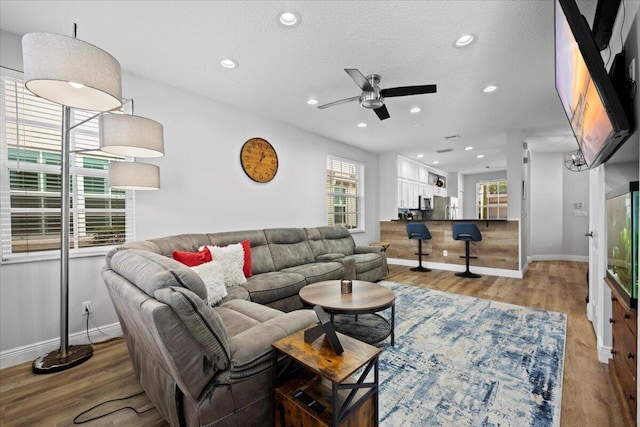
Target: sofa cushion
pixel 180 242
pixel 329 257
pixel 150 272
pixel 261 261
pixel 289 247
pixel 212 275
pixel 251 350
pixel 236 292
pixel 337 240
pixel 315 242
pixel 318 271
pixel 267 287
pixel 204 324
pixel 192 259
pixel 234 321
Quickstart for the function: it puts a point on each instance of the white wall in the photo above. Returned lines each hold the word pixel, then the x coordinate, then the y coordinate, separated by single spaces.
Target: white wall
pixel 575 187
pixel 555 231
pixel 203 190
pixel 546 203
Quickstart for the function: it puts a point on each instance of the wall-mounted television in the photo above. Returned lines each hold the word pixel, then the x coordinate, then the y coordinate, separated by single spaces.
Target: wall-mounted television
pixel 622 241
pixel 586 92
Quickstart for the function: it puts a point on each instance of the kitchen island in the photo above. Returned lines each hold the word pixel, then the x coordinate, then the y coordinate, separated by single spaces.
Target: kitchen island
pixel 499 248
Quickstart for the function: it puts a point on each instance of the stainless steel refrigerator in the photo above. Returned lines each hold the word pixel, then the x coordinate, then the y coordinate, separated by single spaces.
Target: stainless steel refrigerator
pixel 445 207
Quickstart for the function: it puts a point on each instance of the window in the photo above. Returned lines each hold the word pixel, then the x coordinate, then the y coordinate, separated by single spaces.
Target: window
pixel 491 197
pixel 30 189
pixel 345 204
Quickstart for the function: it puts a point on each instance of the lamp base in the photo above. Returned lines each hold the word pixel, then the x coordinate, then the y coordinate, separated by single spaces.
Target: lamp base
pixel 55 362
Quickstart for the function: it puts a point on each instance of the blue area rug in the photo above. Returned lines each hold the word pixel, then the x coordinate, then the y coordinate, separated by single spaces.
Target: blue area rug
pixel 464 361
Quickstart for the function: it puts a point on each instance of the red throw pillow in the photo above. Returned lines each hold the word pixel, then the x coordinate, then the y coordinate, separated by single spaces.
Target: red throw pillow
pixel 192 259
pixel 246 268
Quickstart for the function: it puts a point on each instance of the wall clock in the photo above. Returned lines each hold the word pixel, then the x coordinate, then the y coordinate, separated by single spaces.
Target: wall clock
pixel 259 160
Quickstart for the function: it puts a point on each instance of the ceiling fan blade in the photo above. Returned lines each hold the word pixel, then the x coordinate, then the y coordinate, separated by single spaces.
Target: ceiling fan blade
pixel 342 101
pixel 382 112
pixel 408 90
pixel 359 78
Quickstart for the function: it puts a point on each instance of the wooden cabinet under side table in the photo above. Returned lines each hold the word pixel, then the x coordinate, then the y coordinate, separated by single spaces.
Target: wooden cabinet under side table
pixel 623 365
pixel 327 379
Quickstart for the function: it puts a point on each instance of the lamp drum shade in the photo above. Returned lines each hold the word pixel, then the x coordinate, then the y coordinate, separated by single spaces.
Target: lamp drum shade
pixel 134 176
pixel 71 72
pixel 131 136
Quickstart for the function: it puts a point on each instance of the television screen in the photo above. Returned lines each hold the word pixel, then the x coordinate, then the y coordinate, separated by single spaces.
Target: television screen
pixel 595 113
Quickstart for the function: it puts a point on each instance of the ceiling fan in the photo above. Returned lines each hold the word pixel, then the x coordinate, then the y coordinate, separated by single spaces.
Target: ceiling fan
pixel 373 97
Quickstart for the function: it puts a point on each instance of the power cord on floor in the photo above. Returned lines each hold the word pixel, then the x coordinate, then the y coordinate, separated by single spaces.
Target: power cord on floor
pixel 88 313
pixel 75 420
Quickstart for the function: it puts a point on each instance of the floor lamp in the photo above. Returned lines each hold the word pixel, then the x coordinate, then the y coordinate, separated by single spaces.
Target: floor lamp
pixel 76 74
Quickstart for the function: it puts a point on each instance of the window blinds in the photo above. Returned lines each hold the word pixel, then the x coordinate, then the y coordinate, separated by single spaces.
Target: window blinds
pixel 344 194
pixel 30 159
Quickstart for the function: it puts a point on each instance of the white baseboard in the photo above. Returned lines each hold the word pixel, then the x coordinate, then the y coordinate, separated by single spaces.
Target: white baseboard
pixel 18 355
pixel 500 272
pixel 560 257
pixel 604 353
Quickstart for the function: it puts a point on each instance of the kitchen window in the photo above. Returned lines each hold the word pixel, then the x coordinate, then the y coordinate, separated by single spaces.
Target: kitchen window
pixel 491 199
pixel 30 188
pixel 345 202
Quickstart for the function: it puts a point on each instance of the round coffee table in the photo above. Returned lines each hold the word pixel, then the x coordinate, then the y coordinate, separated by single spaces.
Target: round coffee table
pixel 354 314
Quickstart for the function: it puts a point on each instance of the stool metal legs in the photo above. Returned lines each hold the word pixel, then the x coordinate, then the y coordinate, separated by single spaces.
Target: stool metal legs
pixel 467 273
pixel 420 267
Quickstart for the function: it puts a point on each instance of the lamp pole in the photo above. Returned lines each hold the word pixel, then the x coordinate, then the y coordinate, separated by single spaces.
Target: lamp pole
pixel 64 232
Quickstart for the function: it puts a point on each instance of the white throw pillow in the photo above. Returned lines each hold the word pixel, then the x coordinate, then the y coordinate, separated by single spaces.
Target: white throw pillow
pixel 232 259
pixel 212 274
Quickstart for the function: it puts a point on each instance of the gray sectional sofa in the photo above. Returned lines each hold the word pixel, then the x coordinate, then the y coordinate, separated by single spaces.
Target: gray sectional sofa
pixel 203 365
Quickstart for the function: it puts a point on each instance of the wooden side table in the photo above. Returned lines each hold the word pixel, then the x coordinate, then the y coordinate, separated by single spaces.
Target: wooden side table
pixel 326 379
pixel 383 245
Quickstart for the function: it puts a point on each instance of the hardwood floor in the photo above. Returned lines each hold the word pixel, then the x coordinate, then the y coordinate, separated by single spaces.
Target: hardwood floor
pixel 587 400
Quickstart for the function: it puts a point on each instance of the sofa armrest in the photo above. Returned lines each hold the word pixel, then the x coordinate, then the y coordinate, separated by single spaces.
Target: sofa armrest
pixel 329 257
pixel 367 250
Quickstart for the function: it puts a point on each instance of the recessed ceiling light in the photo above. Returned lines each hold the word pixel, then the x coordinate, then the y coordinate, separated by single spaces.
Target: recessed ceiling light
pixel 420 156
pixel 479 156
pixel 362 125
pixel 490 88
pixel 468 148
pixel 464 40
pixel 289 19
pixel 435 162
pixel 312 101
pixel 229 63
pixel 415 110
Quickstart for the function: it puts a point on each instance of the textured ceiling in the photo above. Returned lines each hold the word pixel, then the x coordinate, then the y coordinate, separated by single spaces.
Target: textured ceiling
pixel 406 42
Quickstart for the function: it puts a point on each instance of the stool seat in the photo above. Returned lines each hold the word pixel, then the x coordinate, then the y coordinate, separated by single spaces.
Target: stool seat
pixel 418 231
pixel 467 232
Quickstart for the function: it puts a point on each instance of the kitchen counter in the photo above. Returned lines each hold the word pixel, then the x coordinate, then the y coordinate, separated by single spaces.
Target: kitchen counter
pixel 499 247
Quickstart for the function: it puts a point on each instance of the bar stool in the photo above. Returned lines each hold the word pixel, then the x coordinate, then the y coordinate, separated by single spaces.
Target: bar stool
pixel 469 232
pixel 418 231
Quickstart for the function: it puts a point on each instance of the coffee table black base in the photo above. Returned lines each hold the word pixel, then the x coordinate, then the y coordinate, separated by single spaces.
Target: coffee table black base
pixel 369 328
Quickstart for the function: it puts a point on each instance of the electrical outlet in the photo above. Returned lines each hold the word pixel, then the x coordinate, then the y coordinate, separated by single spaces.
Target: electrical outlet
pixel 86 307
pixel 445 253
